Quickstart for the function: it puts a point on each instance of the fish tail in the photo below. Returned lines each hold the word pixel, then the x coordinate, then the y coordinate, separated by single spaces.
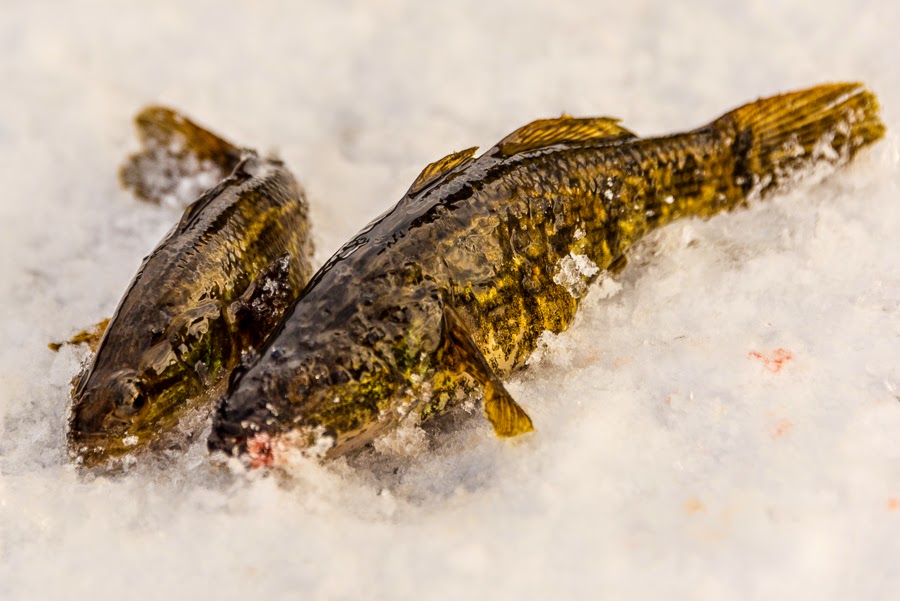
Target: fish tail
pixel 179 159
pixel 780 139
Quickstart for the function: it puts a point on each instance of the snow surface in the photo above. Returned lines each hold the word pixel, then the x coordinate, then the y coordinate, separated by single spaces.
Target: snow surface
pixel 724 427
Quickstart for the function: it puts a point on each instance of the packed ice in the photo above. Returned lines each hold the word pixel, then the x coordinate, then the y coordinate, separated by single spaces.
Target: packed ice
pixel 573 272
pixel 408 440
pixel 719 422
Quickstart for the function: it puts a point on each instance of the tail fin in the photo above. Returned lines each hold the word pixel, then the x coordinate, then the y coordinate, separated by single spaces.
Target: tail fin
pixel 179 159
pixel 784 137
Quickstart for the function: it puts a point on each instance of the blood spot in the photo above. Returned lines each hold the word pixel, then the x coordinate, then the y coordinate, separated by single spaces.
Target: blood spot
pixel 259 448
pixel 782 427
pixel 775 361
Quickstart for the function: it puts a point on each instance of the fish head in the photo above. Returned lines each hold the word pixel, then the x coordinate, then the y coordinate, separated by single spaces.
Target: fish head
pixel 104 410
pixel 133 396
pixel 349 363
pixel 320 403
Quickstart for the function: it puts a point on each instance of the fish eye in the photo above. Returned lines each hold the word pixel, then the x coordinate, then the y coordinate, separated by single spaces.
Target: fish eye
pixel 302 385
pixel 129 397
pixel 131 405
pixel 340 376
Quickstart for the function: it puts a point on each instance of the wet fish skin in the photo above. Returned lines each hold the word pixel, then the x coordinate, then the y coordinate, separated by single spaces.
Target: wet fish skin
pixel 449 291
pixel 205 298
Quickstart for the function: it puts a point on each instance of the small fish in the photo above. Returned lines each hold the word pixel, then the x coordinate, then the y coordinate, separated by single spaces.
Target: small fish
pixel 201 302
pixel 447 293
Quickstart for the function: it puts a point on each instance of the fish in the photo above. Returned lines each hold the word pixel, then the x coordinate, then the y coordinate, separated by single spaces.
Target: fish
pixel 445 295
pixel 204 300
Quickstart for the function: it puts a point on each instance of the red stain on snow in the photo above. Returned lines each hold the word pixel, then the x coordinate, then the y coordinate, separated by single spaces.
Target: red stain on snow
pixel 259 448
pixel 782 427
pixel 693 505
pixel 893 504
pixel 776 361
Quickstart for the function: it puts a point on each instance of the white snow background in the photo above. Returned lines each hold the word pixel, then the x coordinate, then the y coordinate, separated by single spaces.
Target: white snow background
pixel 668 462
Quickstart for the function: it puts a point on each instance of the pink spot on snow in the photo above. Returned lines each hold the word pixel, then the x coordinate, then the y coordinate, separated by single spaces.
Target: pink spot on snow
pixel 782 427
pixel 776 361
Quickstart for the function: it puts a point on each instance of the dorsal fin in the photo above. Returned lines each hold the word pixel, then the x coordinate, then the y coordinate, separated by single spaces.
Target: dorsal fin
pixel 547 132
pixel 438 168
pixel 196 207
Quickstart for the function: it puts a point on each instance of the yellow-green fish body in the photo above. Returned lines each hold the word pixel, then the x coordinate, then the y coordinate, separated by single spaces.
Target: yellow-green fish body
pixel 449 291
pixel 204 300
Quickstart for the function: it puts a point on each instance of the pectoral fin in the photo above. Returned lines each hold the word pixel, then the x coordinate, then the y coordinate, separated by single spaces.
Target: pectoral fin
pixel 507 417
pixel 618 265
pixel 260 308
pixel 89 336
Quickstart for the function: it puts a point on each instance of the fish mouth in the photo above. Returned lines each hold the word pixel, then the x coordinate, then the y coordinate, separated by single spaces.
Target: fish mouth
pixel 257 451
pixel 234 426
pixel 254 452
pixel 228 440
pixel 93 418
pixel 89 444
pixel 273 448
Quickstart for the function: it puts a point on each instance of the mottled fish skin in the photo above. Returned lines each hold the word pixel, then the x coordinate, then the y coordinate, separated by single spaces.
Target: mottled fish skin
pixel 449 291
pixel 202 301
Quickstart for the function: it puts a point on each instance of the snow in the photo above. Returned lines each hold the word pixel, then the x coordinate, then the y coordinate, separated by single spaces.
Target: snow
pixel 671 460
pixel 407 440
pixel 178 181
pixel 573 272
